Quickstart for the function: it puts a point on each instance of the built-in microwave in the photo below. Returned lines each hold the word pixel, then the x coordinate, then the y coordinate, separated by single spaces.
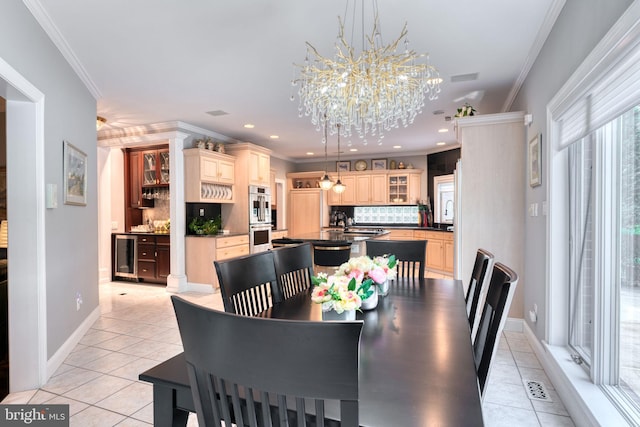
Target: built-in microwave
pixel 259 205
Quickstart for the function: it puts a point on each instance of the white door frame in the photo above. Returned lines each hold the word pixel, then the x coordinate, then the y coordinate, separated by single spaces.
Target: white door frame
pixel 26 239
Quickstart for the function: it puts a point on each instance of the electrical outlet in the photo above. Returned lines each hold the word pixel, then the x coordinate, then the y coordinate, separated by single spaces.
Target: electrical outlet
pixel 201 211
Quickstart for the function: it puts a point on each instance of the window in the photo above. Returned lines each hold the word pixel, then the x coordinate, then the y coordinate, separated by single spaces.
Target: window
pixel 604 253
pixel 593 229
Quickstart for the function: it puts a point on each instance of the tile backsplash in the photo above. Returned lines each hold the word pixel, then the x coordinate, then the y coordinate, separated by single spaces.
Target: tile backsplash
pixel 385 215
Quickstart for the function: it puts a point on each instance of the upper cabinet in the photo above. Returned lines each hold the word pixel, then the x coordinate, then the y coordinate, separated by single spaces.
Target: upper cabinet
pixel 155 168
pixel 378 188
pixel 259 168
pixel 135 182
pixel 209 176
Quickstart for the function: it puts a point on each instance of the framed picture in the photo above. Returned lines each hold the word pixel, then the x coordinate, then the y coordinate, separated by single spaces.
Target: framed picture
pixel 343 166
pixel 535 161
pixel 75 175
pixel 378 164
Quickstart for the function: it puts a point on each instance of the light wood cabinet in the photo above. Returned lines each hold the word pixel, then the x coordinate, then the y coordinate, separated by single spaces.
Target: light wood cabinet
pixel 209 176
pixel 279 234
pixel 259 168
pixel 305 211
pixel 200 252
pixel 370 189
pixel 440 249
pixel 404 187
pixel 378 195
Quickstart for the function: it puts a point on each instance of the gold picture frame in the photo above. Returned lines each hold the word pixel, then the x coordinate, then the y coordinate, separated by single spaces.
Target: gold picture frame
pixel 535 161
pixel 75 175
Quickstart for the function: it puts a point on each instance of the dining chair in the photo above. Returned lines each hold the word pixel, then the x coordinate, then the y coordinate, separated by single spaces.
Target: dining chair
pixel 294 268
pixel 253 371
pixel 479 278
pixel 494 315
pixel 410 254
pixel 248 284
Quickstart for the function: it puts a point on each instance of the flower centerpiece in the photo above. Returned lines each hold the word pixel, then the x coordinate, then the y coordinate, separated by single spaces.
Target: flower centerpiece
pixel 355 284
pixel 466 110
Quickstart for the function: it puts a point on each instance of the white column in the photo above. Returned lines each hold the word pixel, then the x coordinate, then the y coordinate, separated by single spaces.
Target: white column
pixel 177 280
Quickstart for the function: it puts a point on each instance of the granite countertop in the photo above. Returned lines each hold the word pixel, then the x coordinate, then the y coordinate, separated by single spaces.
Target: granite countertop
pixel 327 235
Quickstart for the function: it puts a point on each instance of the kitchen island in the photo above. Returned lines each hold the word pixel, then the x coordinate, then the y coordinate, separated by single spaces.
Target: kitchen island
pixel 356 237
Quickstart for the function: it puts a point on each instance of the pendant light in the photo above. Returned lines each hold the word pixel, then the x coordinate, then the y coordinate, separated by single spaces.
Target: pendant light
pixel 325 182
pixel 339 187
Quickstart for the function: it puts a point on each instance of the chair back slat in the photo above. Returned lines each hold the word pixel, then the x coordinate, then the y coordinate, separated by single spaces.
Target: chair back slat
pixel 294 268
pixel 248 284
pixel 234 380
pixel 494 315
pixel 411 255
pixel 479 279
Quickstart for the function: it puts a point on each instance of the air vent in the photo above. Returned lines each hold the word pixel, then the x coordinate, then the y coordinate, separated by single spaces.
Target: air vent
pixel 536 390
pixel 216 113
pixel 438 112
pixel 464 77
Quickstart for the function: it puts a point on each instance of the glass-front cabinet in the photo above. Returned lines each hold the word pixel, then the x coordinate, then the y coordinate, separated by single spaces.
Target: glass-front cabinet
pixel 155 166
pixel 404 188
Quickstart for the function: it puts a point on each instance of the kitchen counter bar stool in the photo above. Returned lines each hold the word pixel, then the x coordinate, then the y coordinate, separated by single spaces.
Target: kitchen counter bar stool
pixel 330 253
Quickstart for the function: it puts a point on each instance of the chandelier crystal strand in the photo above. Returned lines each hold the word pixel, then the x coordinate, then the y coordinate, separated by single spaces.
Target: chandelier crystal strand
pixel 325 182
pixel 368 93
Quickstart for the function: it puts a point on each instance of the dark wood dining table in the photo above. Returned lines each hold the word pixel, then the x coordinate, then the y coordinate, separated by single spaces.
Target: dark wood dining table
pixel 416 360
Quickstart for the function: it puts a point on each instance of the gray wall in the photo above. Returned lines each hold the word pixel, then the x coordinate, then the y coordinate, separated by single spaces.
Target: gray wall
pixel 578 29
pixel 69 114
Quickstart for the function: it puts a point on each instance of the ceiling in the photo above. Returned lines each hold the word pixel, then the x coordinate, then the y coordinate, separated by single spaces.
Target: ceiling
pixel 151 61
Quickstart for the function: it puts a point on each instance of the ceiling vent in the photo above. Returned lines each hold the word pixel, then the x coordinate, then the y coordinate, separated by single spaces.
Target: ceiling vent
pixel 464 77
pixel 216 113
pixel 438 112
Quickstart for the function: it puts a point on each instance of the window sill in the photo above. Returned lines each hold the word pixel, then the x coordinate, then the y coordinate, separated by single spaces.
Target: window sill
pixel 587 403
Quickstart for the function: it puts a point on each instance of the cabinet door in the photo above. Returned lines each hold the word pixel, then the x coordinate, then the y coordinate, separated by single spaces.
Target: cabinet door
pixel 448 256
pixel 304 211
pixel 259 168
pixel 398 187
pixel 150 168
pixel 135 179
pixel 348 197
pixel 363 189
pixel 209 169
pixel 378 190
pixel 435 254
pixel 163 257
pixel 333 198
pixel 227 171
pixel 163 166
pixel 413 195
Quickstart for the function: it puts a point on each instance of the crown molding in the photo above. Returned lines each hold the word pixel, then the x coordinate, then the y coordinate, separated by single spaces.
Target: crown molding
pixel 45 21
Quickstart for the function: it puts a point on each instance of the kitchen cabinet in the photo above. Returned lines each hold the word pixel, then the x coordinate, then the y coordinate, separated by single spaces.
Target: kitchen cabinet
pixel 209 176
pixel 348 196
pixel 259 168
pixel 279 234
pixel 135 182
pixel 405 187
pixel 370 189
pixel 154 258
pixel 305 211
pixel 211 248
pixel 155 168
pixel 440 249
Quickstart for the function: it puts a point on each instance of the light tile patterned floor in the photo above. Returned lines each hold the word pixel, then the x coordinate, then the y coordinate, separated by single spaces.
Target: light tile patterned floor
pixel 137 330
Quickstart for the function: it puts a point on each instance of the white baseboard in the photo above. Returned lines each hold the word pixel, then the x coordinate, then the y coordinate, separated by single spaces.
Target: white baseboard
pixel 586 402
pixel 70 344
pixel 200 287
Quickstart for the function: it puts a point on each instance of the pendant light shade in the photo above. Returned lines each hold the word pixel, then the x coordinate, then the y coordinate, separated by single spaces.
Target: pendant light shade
pixel 339 187
pixel 325 182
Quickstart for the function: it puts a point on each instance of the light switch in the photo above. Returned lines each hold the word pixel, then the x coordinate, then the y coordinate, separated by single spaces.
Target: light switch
pixel 52 196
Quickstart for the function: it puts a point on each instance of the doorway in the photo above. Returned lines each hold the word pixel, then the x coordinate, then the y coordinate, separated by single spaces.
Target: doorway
pixel 4 301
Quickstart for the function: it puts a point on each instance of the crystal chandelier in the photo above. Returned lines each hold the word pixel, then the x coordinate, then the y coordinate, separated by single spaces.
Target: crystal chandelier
pixel 369 92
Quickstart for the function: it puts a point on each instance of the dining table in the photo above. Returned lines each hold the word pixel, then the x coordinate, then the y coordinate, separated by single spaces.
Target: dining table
pixel 416 360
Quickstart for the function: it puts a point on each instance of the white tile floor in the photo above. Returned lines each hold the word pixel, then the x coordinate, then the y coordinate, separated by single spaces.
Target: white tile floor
pixel 137 330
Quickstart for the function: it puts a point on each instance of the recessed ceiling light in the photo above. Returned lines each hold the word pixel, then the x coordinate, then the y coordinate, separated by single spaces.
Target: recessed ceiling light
pixel 441 143
pixel 274 136
pixel 353 149
pixel 249 126
pixel 443 130
pixel 397 146
pixel 309 153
